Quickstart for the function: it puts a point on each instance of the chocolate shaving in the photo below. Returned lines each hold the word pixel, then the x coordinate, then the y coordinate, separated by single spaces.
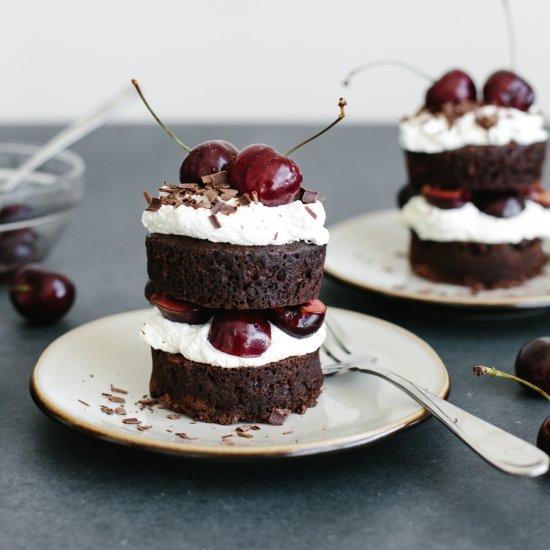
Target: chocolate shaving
pixel 148 401
pixel 215 222
pixel 242 429
pixel 486 121
pixel 144 428
pixel 154 205
pixel 191 186
pixel 229 194
pixel 217 207
pixel 106 410
pixel 173 416
pixel 224 437
pixel 288 433
pixel 84 402
pixel 120 411
pixel 311 212
pixel 118 390
pixel 116 399
pixel 228 209
pixel 275 236
pixel 183 435
pixel 242 434
pixel 309 197
pixel 147 198
pixel 278 416
pixel 211 195
pixel 255 428
pixel 131 421
pixel 245 200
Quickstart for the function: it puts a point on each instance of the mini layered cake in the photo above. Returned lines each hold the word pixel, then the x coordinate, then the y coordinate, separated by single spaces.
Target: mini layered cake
pixel 474 202
pixel 235 256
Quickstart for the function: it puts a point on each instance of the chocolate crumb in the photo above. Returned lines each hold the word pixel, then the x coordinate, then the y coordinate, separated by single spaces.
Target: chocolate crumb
pixel 173 416
pixel 486 121
pixel 311 212
pixel 288 433
pixel 84 402
pixel 118 390
pixel 144 428
pixel 242 434
pixel 214 221
pixel 183 435
pixel 131 421
pixel 278 416
pixel 275 236
pixel 120 411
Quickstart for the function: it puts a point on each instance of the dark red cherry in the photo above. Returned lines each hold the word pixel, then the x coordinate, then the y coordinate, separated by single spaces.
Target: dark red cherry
pixel 180 312
pixel 299 321
pixel 41 296
pixel 499 204
pixel 240 333
pixel 543 437
pixel 275 178
pixel 533 363
pixel 453 87
pixel 406 193
pixel 507 89
pixel 446 198
pixel 207 158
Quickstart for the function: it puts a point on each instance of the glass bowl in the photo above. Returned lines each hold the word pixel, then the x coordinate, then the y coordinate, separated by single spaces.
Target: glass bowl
pixel 33 215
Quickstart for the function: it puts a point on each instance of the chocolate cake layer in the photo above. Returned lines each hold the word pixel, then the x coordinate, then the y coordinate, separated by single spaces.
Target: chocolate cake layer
pixel 228 276
pixel 480 168
pixel 477 265
pixel 226 395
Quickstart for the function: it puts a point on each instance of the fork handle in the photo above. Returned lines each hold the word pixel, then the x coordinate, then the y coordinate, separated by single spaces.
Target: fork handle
pixel 499 448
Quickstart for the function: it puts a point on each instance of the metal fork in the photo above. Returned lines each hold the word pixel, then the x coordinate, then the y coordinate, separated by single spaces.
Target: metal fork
pixel 499 448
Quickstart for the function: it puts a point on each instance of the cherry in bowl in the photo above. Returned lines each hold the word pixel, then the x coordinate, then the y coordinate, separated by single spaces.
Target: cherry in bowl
pixel 240 333
pixel 299 321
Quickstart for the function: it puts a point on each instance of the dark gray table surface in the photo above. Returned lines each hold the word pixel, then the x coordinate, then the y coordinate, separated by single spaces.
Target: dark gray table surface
pixel 419 489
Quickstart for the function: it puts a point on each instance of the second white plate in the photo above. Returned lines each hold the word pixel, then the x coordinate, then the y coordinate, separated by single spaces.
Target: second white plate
pixel 371 252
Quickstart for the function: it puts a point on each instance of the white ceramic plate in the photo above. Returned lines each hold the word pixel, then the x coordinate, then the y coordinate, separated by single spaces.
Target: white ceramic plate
pixel 371 252
pixel 353 409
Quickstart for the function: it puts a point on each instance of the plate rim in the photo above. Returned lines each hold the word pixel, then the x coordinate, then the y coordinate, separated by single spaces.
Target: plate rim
pixel 538 301
pixel 196 450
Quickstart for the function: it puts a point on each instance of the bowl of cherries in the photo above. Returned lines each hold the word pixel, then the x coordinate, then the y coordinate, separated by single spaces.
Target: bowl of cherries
pixel 33 215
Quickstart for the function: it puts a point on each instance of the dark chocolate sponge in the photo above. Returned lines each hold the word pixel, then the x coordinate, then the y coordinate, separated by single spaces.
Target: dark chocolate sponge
pixel 226 395
pixel 477 265
pixel 228 276
pixel 479 168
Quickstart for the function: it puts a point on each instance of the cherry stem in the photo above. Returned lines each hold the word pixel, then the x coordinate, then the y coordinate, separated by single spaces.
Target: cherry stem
pixel 341 103
pixel 163 126
pixel 384 63
pixel 17 288
pixel 480 370
pixel 511 33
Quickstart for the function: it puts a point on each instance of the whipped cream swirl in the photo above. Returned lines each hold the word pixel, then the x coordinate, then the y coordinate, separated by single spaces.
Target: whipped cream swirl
pixel 469 224
pixel 192 342
pixel 254 224
pixel 427 132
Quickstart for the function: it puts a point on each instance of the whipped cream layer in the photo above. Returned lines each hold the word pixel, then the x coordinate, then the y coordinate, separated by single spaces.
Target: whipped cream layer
pixel 192 342
pixel 255 224
pixel 432 133
pixel 469 224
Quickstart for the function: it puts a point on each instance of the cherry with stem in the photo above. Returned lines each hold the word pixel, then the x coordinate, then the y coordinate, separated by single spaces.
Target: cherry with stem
pixel 481 370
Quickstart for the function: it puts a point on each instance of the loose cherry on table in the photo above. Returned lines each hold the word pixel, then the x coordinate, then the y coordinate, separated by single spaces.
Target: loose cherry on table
pixel 299 321
pixel 41 296
pixel 543 437
pixel 446 198
pixel 507 89
pixel 533 363
pixel 240 333
pixel 453 87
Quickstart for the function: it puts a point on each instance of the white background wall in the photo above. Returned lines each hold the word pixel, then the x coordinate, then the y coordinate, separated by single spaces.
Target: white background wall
pixel 252 60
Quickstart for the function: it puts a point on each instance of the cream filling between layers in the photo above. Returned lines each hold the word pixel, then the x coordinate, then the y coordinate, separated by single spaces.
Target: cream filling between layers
pixel 255 224
pixel 192 342
pixel 469 224
pixel 431 133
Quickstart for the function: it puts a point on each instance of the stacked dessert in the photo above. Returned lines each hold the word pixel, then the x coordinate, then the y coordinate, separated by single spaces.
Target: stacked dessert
pixel 235 256
pixel 474 202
